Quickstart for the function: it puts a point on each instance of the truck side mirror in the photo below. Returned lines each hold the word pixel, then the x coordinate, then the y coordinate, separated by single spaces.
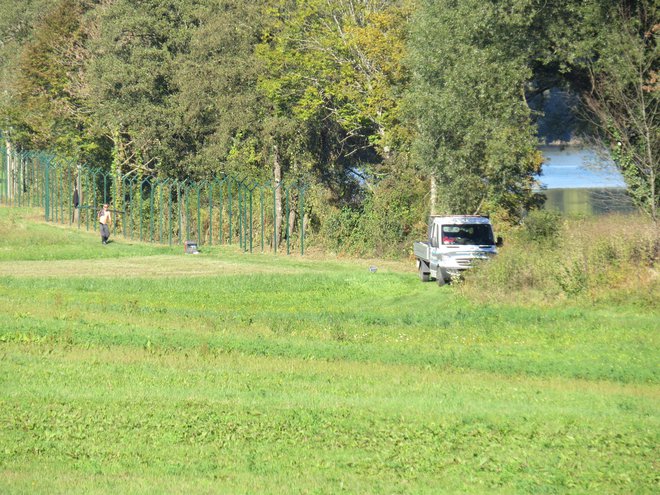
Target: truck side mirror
pixel 499 242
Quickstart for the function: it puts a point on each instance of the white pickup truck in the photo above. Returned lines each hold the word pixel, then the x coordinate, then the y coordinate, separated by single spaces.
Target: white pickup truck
pixel 454 243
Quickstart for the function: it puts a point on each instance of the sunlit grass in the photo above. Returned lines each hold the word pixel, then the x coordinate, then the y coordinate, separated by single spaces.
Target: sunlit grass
pixel 132 368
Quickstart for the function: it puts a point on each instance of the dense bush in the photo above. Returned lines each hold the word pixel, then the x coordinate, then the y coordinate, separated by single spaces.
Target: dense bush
pixel 600 258
pixel 385 224
pixel 542 225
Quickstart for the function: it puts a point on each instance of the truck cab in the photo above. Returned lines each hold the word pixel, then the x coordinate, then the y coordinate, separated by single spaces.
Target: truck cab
pixel 454 242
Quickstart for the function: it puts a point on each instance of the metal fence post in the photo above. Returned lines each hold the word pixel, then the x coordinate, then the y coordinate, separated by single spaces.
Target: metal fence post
pixel 261 202
pixel 47 192
pixel 275 218
pixel 251 231
pixel 240 215
pixel 210 184
pixel 151 211
pixel 302 220
pixel 221 228
pixel 229 212
pixel 288 233
pixel 169 215
pixel 199 214
pixel 140 209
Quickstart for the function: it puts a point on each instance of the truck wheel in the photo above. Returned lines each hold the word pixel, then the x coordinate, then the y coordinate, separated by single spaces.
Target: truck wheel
pixel 423 276
pixel 440 279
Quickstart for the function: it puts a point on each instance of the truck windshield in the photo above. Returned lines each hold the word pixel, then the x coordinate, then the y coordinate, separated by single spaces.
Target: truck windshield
pixel 468 234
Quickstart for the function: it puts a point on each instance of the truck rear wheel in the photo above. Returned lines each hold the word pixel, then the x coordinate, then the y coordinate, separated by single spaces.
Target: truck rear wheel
pixel 422 267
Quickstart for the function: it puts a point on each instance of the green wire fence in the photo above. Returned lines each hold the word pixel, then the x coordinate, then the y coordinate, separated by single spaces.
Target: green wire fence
pixel 224 210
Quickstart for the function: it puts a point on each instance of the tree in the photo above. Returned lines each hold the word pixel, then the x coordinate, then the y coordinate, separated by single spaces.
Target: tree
pixel 332 85
pixel 17 21
pixel 623 94
pixel 333 70
pixel 135 51
pixel 48 110
pixel 471 64
pixel 604 54
pixel 217 104
pixel 174 85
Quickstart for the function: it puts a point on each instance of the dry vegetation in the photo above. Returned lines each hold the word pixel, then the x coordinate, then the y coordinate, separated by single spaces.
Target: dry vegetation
pixel 551 259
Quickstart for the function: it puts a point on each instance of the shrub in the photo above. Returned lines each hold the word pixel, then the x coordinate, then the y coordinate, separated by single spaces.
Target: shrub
pixel 572 278
pixel 384 224
pixel 542 226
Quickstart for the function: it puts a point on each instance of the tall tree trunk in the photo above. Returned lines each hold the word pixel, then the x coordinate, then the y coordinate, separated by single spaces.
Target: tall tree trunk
pixel 434 194
pixel 292 221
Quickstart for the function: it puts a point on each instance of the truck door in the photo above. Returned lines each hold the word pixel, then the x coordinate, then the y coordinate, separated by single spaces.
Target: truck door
pixel 435 235
pixel 433 257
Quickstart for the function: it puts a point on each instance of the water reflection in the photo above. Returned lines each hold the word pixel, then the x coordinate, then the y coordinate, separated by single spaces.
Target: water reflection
pixel 579 181
pixel 587 202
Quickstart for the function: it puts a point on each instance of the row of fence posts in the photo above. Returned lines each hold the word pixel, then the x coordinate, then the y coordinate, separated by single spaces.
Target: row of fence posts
pixel 224 210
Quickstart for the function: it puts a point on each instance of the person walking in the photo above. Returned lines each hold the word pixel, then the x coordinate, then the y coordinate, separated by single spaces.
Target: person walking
pixel 104 221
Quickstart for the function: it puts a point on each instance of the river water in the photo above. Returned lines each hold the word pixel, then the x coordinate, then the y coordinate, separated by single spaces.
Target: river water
pixel 578 181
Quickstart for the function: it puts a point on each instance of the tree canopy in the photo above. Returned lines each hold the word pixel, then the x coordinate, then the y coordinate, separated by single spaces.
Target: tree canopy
pixel 472 62
pixel 366 100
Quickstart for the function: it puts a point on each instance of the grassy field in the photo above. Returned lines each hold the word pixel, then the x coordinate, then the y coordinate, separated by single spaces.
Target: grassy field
pixel 133 368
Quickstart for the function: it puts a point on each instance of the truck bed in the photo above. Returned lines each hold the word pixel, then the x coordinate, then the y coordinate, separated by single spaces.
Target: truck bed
pixel 422 250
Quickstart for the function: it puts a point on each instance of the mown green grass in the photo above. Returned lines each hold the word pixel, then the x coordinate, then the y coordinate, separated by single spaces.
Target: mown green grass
pixel 132 368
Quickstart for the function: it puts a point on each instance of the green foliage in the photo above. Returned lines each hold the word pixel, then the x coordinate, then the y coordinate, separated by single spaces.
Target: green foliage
pixel 476 136
pixel 17 21
pixel 338 62
pixel 609 52
pixel 348 96
pixel 50 89
pixel 543 226
pixel 131 77
pixel 333 74
pixel 572 278
pixel 628 98
pixel 217 108
pixel 386 223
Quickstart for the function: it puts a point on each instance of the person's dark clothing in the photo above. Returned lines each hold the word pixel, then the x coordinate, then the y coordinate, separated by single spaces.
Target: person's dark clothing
pixel 105 233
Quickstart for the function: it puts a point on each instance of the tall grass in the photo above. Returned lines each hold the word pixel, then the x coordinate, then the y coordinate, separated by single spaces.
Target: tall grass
pixel 553 259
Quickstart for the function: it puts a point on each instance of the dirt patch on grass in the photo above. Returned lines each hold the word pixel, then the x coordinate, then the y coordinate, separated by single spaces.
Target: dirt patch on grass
pixel 144 267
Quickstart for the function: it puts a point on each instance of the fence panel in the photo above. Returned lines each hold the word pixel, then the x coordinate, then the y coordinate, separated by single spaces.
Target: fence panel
pixel 224 210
